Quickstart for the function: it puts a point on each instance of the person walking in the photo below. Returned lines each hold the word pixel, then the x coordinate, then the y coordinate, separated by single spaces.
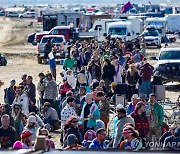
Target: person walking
pixel 68 111
pixel 104 107
pixel 141 121
pixel 146 72
pixel 155 119
pixel 50 89
pixel 108 72
pixel 47 50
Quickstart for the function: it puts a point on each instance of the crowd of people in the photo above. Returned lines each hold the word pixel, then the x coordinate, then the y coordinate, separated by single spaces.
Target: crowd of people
pixel 93 76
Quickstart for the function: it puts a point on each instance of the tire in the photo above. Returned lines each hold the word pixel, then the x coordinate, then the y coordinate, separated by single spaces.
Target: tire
pixel 34 42
pixel 39 60
pixel 159 46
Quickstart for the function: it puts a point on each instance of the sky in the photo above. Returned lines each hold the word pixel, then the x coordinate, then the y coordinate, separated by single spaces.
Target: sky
pixel 35 2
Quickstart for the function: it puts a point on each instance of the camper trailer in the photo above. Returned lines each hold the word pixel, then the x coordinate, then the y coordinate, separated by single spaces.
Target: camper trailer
pixel 159 23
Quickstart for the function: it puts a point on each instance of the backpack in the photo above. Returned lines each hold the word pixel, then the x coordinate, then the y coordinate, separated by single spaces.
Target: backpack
pixel 153 119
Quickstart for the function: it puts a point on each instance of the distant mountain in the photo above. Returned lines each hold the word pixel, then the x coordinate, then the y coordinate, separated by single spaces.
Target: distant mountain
pixel 36 2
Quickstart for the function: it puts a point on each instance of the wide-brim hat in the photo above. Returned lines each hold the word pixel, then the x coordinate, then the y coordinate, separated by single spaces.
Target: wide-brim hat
pixel 81 78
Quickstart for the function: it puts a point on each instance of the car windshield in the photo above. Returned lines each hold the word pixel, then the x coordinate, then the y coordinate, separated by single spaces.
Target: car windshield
pixel 57 40
pixel 160 23
pixel 151 33
pixel 170 55
pixel 53 40
pixel 117 31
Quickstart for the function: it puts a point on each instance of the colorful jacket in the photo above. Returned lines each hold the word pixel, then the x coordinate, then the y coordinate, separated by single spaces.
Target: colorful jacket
pixel 159 112
pixel 68 63
pixel 141 123
pixel 95 145
pixel 94 110
pixel 135 144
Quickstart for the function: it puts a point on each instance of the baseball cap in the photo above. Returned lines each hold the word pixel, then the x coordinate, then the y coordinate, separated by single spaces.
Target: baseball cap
pixel 26 134
pixel 135 96
pixel 32 119
pixel 119 106
pixel 13 80
pixel 143 96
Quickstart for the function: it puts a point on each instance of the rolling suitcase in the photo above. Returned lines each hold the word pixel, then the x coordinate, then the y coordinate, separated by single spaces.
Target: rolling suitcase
pixel 160 92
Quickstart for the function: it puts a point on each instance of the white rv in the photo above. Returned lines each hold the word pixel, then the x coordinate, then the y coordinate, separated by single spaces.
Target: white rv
pixel 159 23
pixel 129 29
pixel 100 27
pixel 173 22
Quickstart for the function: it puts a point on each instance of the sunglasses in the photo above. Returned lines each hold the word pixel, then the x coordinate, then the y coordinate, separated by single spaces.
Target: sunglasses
pixel 74 121
pixel 45 134
pixel 18 89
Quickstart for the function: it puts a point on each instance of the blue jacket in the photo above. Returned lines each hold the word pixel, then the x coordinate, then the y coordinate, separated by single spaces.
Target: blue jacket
pixel 95 145
pixel 94 110
pixel 52 63
pixel 130 108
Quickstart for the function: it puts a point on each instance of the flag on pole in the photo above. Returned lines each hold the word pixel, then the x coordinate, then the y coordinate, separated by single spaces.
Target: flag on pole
pixel 128 6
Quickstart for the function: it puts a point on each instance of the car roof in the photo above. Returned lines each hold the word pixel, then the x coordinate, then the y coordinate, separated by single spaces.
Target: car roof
pixel 49 36
pixel 170 48
pixel 62 27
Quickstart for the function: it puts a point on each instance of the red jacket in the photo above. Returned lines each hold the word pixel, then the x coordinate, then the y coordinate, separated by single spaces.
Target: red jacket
pixel 65 88
pixel 146 71
pixel 141 123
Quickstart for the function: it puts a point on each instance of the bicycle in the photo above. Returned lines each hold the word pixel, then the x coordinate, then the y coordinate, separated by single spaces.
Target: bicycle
pixel 171 111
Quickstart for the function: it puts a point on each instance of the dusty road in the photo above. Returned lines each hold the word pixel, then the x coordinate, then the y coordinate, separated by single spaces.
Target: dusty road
pixel 22 60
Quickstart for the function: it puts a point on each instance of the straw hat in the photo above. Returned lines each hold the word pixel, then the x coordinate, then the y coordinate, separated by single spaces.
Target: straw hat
pixel 81 78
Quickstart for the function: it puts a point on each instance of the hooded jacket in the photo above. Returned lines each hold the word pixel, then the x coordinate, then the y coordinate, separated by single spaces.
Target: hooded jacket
pixel 95 145
pixel 119 128
pixel 24 102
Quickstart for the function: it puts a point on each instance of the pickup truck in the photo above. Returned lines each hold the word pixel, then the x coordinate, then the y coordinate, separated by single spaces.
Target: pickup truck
pixel 168 64
pixel 68 32
pixel 58 47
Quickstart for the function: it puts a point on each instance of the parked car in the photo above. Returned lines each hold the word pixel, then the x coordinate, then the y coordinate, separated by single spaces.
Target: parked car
pixel 152 37
pixel 27 15
pixel 58 46
pixel 12 14
pixel 2 13
pixel 168 64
